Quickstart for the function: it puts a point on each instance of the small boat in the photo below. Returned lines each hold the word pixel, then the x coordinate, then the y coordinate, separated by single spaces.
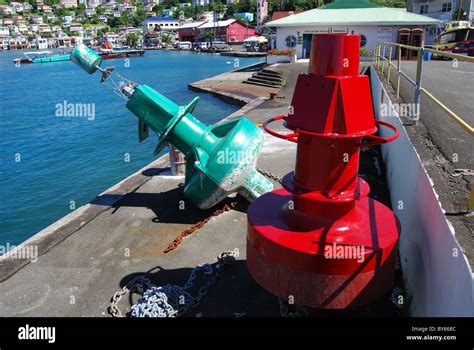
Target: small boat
pixel 107 52
pixel 41 57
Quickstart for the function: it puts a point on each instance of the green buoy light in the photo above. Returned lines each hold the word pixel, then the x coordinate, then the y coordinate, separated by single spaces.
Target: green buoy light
pixel 220 159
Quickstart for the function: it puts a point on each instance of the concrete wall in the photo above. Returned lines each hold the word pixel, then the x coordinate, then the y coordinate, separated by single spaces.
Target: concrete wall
pixel 372 33
pixel 438 277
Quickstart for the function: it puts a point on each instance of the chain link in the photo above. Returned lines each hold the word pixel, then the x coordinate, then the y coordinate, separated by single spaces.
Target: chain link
pixel 171 300
pixel 177 241
pixel 270 175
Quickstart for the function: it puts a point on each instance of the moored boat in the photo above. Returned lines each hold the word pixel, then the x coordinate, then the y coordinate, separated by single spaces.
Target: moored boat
pixel 41 57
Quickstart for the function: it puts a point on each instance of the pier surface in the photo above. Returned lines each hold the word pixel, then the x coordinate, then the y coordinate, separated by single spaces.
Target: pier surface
pixel 123 233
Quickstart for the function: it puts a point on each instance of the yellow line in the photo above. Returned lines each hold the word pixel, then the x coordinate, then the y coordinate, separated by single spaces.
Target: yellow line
pixel 470 204
pixel 450 112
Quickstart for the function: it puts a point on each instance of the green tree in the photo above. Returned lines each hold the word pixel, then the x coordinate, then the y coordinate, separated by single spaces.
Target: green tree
pixel 158 9
pixel 132 39
pixel 100 10
pixel 165 38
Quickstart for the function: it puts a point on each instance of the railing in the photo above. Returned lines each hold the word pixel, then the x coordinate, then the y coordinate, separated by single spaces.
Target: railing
pixel 380 63
pixel 380 59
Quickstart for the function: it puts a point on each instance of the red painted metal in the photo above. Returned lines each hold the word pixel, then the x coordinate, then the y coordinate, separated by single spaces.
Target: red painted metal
pixel 321 240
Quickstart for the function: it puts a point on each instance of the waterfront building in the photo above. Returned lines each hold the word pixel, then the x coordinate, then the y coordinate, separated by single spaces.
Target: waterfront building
pixel 230 31
pixel 166 23
pixel 189 31
pixel 372 22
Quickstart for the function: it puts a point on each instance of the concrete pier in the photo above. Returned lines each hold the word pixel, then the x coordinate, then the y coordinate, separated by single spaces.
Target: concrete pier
pixel 86 257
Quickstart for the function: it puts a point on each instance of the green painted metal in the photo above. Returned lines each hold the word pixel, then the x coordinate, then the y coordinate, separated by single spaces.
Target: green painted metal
pixel 58 58
pixel 86 58
pixel 354 16
pixel 220 159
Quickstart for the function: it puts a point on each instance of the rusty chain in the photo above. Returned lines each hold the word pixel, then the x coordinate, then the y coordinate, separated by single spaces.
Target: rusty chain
pixel 270 175
pixel 190 230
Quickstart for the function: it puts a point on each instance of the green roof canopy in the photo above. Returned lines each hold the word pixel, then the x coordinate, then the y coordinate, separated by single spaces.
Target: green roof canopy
pixel 354 16
pixel 349 4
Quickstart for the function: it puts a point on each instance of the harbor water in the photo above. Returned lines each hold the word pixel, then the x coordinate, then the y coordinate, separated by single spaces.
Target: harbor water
pixel 65 138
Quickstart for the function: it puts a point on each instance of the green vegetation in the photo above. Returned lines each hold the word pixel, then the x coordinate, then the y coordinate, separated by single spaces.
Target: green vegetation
pixel 365 52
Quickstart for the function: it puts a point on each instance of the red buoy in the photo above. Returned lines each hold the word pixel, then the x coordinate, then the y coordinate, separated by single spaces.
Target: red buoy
pixel 320 240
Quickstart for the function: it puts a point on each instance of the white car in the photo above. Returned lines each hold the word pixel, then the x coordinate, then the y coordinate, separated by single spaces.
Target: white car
pixel 185 45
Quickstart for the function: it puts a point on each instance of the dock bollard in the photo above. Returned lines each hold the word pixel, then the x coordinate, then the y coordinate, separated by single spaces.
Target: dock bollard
pixel 177 162
pixel 220 159
pixel 321 241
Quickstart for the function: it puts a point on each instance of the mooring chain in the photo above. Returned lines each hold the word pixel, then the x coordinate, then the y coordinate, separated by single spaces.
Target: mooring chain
pixel 270 175
pixel 190 230
pixel 171 300
pixel 138 284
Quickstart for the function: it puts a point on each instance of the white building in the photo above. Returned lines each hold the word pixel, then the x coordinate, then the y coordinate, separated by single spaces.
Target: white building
pixel 4 31
pixel 201 2
pixel 163 23
pixel 67 3
pixel 444 10
pixel 93 3
pixel 16 6
pixel 372 22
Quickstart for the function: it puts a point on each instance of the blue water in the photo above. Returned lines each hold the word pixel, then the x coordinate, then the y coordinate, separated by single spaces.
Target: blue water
pixel 49 161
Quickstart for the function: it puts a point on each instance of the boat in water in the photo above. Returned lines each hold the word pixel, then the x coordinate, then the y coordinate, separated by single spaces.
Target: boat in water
pixel 107 52
pixel 41 57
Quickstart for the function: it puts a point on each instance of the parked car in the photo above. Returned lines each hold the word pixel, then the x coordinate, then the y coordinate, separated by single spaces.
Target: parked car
pixel 185 45
pixel 220 45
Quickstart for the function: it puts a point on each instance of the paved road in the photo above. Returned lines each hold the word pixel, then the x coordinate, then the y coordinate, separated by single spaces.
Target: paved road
pixel 454 86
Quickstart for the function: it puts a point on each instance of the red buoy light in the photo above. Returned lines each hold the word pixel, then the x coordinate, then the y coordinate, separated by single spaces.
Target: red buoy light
pixel 321 240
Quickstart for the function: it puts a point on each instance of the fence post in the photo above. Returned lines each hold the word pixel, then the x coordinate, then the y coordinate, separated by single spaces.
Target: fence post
pixel 419 74
pixel 389 62
pixel 383 56
pixel 399 54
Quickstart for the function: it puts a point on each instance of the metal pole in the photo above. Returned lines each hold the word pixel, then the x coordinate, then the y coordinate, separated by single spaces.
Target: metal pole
pixel 383 57
pixel 389 63
pixel 419 72
pixel 399 54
